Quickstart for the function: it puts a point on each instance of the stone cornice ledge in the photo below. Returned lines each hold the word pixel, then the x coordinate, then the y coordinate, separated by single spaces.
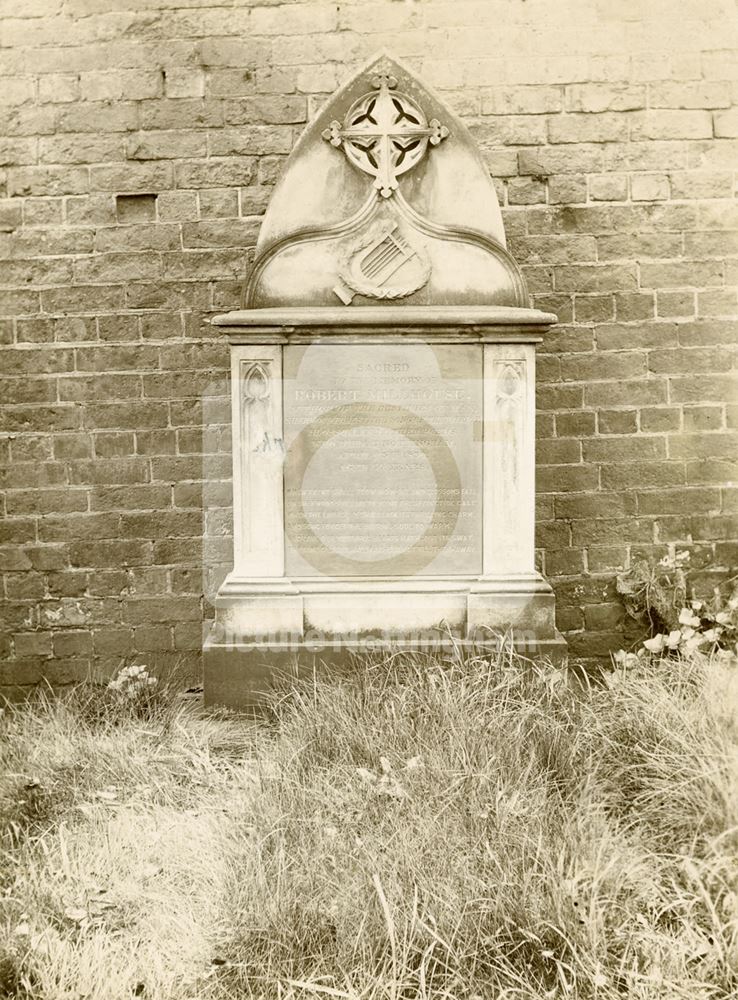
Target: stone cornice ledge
pixel 385 324
pixel 405 317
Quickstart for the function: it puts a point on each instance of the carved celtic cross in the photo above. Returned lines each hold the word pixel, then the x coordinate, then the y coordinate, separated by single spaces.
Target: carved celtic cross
pixel 385 133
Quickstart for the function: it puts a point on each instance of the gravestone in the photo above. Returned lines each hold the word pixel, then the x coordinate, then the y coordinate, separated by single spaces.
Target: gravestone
pixel 382 404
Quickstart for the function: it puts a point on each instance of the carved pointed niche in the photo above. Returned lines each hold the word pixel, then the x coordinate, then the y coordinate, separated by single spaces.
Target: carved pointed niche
pixel 384 199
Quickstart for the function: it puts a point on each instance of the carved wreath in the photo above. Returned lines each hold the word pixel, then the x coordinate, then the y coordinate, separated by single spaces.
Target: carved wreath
pixel 365 287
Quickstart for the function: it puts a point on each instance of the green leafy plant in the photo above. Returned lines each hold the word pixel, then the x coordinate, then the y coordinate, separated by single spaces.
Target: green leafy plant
pixel 133 691
pixel 679 622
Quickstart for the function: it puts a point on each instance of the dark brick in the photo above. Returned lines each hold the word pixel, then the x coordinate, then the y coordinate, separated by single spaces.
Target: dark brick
pixel 566 478
pixel 611 530
pixel 660 418
pixel 698 388
pixel 649 392
pixel 20 502
pixel 602 505
pixel 162 524
pixel 123 498
pixel 131 415
pixel 116 444
pixel 619 336
pixel 617 421
pixel 602 366
pixel 604 558
pixel 594 308
pixel 110 553
pixel 715 445
pixel 580 423
pixel 188 635
pixel 644 475
pixel 68 583
pixel 559 397
pixel 66 417
pixel 703 418
pixel 160 609
pixel 31 449
pixel 711 470
pixel 35 644
pixel 688 500
pixel 631 306
pixel 564 562
pixel 112 471
pixel 113 642
pixel 152 638
pixel 604 617
pixel 624 449
pixel 72 644
pixel 71 446
pixel 78 527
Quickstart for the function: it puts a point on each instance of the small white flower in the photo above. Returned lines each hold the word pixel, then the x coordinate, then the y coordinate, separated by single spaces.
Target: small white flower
pixel 656 644
pixel 674 638
pixel 694 643
pixel 687 617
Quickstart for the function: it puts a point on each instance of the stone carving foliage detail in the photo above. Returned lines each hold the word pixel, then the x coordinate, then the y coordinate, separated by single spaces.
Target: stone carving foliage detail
pixel 255 430
pixel 510 384
pixel 255 382
pixel 385 133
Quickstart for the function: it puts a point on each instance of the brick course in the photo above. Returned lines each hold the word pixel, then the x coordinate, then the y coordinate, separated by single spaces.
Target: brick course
pixel 140 141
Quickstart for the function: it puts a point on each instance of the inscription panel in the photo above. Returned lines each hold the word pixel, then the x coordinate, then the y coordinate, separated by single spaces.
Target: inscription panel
pixel 383 463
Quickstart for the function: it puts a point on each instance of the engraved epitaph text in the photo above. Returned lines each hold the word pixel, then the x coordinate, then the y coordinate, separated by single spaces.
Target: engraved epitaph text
pixel 382 472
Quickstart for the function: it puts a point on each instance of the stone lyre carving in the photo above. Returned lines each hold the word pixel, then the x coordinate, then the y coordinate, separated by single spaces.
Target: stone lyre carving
pixel 375 266
pixel 385 133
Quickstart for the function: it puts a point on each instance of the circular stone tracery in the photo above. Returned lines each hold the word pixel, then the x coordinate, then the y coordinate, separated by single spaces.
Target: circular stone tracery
pixel 404 152
pixel 385 133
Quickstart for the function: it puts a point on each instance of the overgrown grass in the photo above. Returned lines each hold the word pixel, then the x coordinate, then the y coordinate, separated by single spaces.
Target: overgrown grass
pixel 423 830
pixel 112 888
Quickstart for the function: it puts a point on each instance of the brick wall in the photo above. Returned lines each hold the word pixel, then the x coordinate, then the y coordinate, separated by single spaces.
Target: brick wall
pixel 140 140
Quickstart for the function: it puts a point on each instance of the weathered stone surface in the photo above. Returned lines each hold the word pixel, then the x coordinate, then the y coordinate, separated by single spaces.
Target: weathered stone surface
pixel 383 448
pixel 542 54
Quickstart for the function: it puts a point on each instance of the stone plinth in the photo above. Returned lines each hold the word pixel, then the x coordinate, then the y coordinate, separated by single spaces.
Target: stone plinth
pixel 383 488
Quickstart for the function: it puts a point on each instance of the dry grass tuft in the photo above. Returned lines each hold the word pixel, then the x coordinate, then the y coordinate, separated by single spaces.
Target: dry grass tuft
pixel 488 830
pixel 423 830
pixel 115 890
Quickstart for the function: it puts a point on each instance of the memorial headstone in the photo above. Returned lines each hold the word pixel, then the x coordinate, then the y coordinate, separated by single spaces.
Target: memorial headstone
pixel 382 403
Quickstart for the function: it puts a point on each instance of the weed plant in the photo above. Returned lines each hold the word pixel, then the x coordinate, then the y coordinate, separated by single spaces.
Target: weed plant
pixel 423 829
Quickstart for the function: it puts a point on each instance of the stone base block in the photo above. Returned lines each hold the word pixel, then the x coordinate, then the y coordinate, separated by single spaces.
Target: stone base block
pixel 523 603
pixel 239 676
pixel 270 629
